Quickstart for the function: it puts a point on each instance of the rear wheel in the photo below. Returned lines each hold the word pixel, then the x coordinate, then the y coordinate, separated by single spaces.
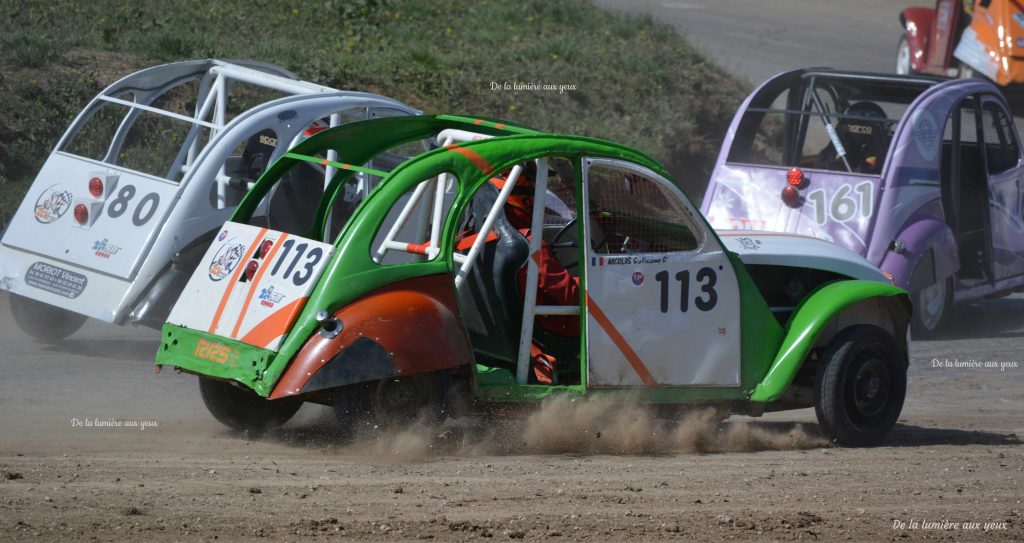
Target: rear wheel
pixel 903 66
pixel 242 409
pixel 860 386
pixel 931 305
pixel 388 403
pixel 44 322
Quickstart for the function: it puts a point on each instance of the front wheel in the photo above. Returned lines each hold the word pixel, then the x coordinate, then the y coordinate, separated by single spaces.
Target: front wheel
pixel 860 386
pixel 44 322
pixel 903 66
pixel 242 409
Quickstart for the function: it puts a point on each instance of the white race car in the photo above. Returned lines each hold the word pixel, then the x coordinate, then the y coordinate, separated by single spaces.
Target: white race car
pixel 142 180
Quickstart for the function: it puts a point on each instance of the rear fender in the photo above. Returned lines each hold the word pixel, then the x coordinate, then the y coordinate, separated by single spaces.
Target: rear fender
pixel 919 239
pixel 409 327
pixel 918 24
pixel 826 306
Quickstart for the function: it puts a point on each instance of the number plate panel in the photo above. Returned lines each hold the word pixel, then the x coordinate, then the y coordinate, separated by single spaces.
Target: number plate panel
pixel 220 298
pixel 122 220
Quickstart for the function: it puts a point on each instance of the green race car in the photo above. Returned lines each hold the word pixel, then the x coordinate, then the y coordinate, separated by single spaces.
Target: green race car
pixel 451 277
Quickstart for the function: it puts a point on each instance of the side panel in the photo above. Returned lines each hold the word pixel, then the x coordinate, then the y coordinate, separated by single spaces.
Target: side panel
pixel 918 23
pixel 410 327
pixel 222 299
pixel 942 37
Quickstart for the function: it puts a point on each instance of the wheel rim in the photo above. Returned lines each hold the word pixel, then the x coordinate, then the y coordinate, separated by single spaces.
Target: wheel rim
pixel 903 58
pixel 932 303
pixel 869 390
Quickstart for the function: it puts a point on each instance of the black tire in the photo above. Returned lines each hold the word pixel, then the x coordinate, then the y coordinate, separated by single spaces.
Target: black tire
pixel 44 322
pixel 242 409
pixel 860 386
pixel 390 403
pixel 903 66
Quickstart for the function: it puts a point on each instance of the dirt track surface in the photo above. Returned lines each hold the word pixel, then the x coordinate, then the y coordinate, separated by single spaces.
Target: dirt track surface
pixel 956 456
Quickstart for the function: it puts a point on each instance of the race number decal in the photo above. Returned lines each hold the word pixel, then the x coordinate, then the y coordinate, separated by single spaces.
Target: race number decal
pixel 706 279
pixel 846 203
pixel 253 285
pixel 144 209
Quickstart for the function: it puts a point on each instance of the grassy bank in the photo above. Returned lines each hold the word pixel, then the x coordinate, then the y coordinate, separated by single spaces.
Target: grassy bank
pixel 635 81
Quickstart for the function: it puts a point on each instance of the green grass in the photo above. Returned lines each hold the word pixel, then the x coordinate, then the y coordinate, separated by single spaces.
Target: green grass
pixel 636 81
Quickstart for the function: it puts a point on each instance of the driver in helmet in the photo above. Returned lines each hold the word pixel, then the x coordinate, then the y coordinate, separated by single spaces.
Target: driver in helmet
pixel 555 284
pixel 862 132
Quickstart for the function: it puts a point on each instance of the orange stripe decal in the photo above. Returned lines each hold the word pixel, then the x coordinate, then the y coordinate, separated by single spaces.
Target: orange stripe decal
pixel 620 342
pixel 478 122
pixel 499 126
pixel 474 157
pixel 275 325
pixel 234 279
pixel 256 281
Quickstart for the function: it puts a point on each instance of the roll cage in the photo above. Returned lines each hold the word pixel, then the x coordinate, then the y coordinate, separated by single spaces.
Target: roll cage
pixel 813 107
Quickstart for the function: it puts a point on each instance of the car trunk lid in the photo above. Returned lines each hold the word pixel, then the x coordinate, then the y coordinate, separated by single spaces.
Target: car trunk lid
pixel 251 285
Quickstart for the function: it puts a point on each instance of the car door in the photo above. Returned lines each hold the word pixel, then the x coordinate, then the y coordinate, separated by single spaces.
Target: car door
pixel 662 299
pixel 1004 169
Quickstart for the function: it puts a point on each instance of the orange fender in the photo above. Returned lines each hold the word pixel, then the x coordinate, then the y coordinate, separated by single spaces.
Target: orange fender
pixel 409 327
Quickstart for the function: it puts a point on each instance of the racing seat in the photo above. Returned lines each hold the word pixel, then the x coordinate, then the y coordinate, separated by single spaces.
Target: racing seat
pixel 491 305
pixel 294 199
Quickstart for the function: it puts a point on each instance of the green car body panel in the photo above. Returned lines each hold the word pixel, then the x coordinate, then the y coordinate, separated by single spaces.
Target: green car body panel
pixel 771 353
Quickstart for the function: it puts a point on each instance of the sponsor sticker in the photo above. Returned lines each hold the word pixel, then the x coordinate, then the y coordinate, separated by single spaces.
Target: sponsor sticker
pixel 104 249
pixel 52 204
pixel 226 260
pixel 638 278
pixel 55 280
pixel 749 243
pixel 926 134
pixel 222 235
pixel 1018 18
pixel 631 260
pixel 269 297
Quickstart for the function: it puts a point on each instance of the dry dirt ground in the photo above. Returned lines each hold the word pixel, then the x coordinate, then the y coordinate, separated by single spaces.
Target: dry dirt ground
pixel 570 471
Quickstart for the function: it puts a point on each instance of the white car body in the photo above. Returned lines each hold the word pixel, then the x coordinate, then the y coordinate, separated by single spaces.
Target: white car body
pixel 145 231
pixel 794 250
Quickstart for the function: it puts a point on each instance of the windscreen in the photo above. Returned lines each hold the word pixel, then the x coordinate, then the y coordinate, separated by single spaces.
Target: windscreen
pixel 826 122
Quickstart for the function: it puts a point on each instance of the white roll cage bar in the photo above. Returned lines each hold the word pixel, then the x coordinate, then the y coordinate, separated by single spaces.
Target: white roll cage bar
pixel 211 111
pixel 443 183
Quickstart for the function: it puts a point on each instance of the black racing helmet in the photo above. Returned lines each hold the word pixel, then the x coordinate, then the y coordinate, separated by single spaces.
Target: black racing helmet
pixel 862 129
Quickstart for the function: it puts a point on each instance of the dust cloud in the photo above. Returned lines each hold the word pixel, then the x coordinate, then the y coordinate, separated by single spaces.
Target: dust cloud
pixel 591 426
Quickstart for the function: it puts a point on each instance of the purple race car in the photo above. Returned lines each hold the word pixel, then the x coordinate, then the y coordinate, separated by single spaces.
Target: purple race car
pixel 922 177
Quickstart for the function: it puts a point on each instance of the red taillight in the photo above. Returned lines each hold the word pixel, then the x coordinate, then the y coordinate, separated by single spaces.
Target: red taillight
pixel 250 269
pixel 81 214
pixel 96 187
pixel 265 248
pixel 795 177
pixel 790 196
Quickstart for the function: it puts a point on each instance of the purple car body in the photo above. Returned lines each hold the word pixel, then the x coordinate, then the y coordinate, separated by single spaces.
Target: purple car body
pixel 920 176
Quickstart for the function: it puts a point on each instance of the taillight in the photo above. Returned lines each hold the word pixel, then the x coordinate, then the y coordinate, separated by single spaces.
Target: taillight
pixel 81 214
pixel 795 177
pixel 790 196
pixel 96 187
pixel 265 248
pixel 250 269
